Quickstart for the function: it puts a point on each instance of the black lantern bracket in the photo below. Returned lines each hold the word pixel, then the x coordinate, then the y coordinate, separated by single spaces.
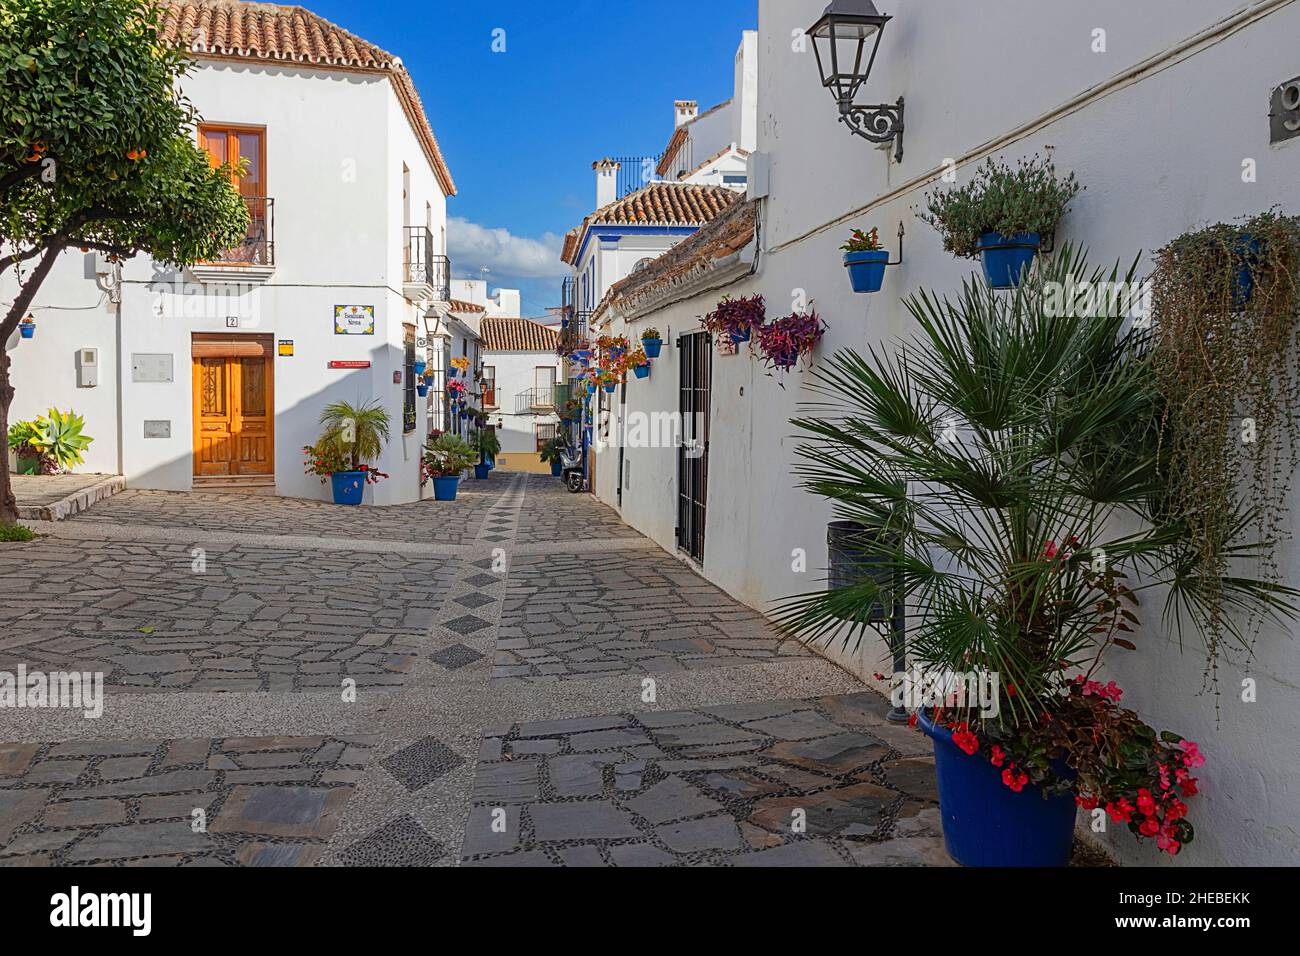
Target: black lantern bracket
pixel 880 123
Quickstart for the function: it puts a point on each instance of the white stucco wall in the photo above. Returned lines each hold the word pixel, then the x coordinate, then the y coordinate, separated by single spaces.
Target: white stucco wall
pixel 516 374
pixel 1159 152
pixel 338 240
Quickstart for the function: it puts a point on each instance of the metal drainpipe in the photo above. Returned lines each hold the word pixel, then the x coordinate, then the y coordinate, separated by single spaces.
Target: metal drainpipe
pixel 622 438
pixel 117 372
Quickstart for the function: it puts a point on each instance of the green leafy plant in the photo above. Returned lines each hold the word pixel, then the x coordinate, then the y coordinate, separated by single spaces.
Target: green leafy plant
pixel 60 438
pixel 14 533
pixel 359 432
pixel 1028 197
pixel 97 152
pixel 447 456
pixel 860 241
pixel 23 437
pixel 1005 469
pixel 486 443
pixel 552 451
pixel 1226 370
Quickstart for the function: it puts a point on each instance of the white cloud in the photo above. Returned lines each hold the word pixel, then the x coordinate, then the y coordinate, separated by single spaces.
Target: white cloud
pixel 472 247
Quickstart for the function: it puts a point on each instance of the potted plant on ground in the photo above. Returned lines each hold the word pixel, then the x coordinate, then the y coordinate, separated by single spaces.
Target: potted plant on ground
pixel 652 342
pixel 1008 470
pixel 51 443
pixel 866 260
pixel 784 342
pixel 23 437
pixel 551 454
pixel 488 446
pixel 446 457
pixel 352 437
pixel 737 318
pixel 1002 215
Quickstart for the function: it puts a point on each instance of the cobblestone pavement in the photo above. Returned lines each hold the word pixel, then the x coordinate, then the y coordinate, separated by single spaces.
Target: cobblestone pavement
pixel 514 679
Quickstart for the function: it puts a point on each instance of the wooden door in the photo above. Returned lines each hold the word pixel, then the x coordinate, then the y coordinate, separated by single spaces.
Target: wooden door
pixel 234 406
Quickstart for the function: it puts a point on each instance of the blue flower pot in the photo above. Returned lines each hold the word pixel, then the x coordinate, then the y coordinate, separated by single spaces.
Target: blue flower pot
pixel 422 391
pixel 419 367
pixel 557 469
pixel 591 389
pixel 610 389
pixel 482 471
pixel 866 269
pixel 28 331
pixel 1247 248
pixel 349 487
pixel 740 338
pixel 985 822
pixel 653 347
pixel 1007 258
pixel 642 371
pixel 444 489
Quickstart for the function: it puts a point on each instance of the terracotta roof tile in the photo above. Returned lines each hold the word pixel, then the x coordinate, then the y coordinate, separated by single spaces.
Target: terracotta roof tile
pixel 518 335
pixel 659 204
pixel 725 236
pixel 268 31
pixel 460 305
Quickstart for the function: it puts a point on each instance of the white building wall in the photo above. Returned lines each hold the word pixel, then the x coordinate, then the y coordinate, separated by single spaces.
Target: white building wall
pixel 516 375
pixel 338 240
pixel 1152 169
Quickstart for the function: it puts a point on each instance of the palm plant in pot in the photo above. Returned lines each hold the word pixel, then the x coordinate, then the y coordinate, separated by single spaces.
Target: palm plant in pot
pixel 552 454
pixel 1002 215
pixel 488 446
pixel 1006 471
pixel 352 438
pixel 446 458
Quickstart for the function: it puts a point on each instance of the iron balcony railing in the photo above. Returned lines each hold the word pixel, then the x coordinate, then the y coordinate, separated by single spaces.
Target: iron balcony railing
pixel 635 172
pixel 258 246
pixel 573 331
pixel 423 266
pixel 535 401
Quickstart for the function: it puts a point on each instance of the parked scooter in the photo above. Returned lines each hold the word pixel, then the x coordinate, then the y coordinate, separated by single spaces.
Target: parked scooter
pixel 574 474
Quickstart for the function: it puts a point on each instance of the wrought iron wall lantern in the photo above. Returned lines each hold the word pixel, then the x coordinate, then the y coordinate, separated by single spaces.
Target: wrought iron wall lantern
pixel 840 39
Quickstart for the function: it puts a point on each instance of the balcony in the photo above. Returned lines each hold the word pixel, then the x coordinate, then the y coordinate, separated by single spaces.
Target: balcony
pixel 425 276
pixel 253 260
pixel 573 332
pixel 538 401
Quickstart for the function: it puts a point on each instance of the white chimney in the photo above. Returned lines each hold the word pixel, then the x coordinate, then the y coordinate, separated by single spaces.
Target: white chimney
pixel 685 111
pixel 606 181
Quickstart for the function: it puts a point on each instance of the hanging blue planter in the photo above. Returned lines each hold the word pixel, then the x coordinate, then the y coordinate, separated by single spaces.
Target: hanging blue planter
pixel 444 489
pixel 867 269
pixel 642 371
pixel 591 388
pixel 422 390
pixel 653 347
pixel 740 338
pixel 349 487
pixel 985 822
pixel 419 367
pixel 28 330
pixel 1247 249
pixel 610 389
pixel 1007 258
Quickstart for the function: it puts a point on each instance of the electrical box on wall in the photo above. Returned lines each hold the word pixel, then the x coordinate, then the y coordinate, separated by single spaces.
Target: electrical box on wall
pixel 87 368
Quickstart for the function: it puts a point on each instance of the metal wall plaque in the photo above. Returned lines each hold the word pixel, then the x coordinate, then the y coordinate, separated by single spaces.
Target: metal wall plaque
pixel 157 429
pixel 1284 112
pixel 157 369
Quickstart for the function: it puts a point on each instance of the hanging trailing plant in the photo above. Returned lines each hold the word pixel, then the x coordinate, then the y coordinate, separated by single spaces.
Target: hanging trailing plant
pixel 1225 303
pixel 785 341
pixel 736 318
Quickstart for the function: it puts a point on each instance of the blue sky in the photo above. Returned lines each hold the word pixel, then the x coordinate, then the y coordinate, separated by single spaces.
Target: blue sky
pixel 579 79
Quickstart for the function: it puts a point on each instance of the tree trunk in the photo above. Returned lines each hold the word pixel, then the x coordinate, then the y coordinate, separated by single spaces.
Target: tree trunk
pixel 8 504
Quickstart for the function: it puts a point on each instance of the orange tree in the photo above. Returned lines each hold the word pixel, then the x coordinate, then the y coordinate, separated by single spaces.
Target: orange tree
pixel 96 153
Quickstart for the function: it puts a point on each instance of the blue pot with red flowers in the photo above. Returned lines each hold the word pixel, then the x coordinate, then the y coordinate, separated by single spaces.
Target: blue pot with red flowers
pixel 1007 258
pixel 349 487
pixel 27 328
pixel 993 816
pixel 867 269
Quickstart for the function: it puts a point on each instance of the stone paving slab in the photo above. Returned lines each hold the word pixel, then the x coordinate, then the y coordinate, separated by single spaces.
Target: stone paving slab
pixel 151 619
pixel 56 497
pixel 251 801
pixel 822 782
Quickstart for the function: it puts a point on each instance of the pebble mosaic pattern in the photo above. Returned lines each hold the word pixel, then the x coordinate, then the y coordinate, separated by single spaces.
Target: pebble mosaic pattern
pixel 718 786
pixel 266 801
